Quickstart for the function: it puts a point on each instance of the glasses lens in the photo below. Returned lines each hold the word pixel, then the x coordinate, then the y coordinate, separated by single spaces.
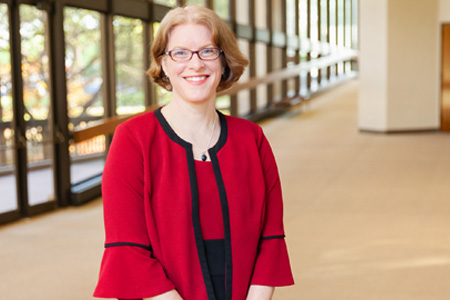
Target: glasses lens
pixel 209 53
pixel 180 54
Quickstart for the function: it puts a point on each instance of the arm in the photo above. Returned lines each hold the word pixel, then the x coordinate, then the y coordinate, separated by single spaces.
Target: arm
pixel 128 269
pixel 260 292
pixel 272 266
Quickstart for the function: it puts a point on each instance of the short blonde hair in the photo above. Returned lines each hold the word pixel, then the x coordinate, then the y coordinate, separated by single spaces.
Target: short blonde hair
pixel 233 61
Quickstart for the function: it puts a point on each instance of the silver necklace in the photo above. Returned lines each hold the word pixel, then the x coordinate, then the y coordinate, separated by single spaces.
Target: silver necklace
pixel 203 157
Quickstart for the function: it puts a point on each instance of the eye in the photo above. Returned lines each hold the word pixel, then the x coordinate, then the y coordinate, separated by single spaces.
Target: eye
pixel 208 52
pixel 180 53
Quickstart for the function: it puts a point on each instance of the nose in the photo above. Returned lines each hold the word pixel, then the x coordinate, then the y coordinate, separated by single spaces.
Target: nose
pixel 196 62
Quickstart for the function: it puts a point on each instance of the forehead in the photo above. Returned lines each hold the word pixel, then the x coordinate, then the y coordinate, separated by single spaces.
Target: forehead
pixel 190 36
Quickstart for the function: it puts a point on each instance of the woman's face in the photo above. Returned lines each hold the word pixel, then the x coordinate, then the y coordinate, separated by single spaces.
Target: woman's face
pixel 194 80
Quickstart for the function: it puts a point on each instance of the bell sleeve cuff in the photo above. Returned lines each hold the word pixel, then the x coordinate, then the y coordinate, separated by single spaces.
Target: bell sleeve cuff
pixel 129 272
pixel 272 267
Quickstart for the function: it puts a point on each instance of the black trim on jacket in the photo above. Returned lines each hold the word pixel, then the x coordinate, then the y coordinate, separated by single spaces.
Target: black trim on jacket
pixel 273 237
pixel 149 248
pixel 195 202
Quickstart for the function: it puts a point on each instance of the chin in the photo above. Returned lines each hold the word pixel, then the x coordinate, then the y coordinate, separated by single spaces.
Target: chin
pixel 197 98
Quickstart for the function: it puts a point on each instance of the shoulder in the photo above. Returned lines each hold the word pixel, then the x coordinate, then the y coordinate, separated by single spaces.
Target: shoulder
pixel 140 121
pixel 138 131
pixel 140 125
pixel 244 129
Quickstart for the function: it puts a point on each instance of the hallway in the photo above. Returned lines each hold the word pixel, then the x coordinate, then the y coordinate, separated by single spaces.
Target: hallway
pixel 366 216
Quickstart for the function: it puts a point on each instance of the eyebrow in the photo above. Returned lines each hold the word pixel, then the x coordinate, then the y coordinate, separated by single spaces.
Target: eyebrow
pixel 203 47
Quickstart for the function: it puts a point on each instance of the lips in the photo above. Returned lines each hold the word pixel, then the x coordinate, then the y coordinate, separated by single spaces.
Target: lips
pixel 196 78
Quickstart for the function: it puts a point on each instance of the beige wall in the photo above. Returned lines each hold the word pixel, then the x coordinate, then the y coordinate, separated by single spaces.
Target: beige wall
pixel 444 11
pixel 372 106
pixel 413 65
pixel 399 65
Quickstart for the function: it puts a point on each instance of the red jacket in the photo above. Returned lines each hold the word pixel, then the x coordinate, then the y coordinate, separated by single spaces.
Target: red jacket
pixel 153 236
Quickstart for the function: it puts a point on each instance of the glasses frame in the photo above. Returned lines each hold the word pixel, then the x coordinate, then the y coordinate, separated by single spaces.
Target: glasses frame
pixel 169 53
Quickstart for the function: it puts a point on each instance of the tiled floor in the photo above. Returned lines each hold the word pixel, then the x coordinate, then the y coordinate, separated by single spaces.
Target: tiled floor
pixel 366 216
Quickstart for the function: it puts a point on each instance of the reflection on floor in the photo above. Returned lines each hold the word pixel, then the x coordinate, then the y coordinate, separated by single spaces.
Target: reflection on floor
pixel 366 216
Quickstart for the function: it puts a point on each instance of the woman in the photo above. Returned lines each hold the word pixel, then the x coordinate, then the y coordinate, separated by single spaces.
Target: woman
pixel 192 198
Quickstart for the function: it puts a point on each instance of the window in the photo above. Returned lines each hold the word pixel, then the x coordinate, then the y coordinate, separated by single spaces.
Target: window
pixel 130 70
pixel 163 96
pixel 303 22
pixel 242 12
pixel 243 97
pixel 195 2
pixel 222 9
pixel 37 103
pixel 260 14
pixel 166 2
pixel 7 178
pixel 261 70
pixel 85 99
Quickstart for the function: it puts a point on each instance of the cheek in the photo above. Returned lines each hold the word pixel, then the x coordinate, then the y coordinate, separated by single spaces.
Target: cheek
pixel 217 68
pixel 172 69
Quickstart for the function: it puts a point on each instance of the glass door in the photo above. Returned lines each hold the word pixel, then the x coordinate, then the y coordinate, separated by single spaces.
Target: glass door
pixel 37 107
pixel 85 93
pixel 8 187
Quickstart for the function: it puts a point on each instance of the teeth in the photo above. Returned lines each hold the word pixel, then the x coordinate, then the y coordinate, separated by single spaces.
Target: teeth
pixel 199 78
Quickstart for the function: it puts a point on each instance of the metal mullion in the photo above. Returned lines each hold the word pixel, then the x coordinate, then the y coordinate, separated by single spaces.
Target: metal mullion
pixel 108 70
pixel 308 35
pixel 233 98
pixel 232 14
pixel 284 83
pixel 297 52
pixel 13 215
pixel 344 20
pixel 28 2
pixel 108 65
pixel 210 4
pixel 97 5
pixel 269 51
pixel 319 36
pixel 151 84
pixel 151 97
pixel 158 12
pixel 134 9
pixel 353 62
pixel 147 38
pixel 336 10
pixel 252 57
pixel 328 35
pixel 61 156
pixel 19 125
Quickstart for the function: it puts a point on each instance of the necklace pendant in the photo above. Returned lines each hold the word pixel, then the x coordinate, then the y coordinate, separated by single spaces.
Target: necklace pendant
pixel 203 157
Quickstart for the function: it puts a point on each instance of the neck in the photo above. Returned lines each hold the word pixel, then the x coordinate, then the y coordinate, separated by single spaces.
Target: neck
pixel 196 123
pixel 196 116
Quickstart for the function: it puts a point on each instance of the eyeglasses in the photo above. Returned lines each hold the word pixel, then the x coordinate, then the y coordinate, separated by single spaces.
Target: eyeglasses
pixel 185 55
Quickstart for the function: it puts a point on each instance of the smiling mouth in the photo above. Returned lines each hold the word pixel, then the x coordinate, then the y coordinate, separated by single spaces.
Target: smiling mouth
pixel 196 78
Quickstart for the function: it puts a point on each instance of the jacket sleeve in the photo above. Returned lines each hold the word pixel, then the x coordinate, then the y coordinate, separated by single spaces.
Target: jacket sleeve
pixel 128 270
pixel 272 266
